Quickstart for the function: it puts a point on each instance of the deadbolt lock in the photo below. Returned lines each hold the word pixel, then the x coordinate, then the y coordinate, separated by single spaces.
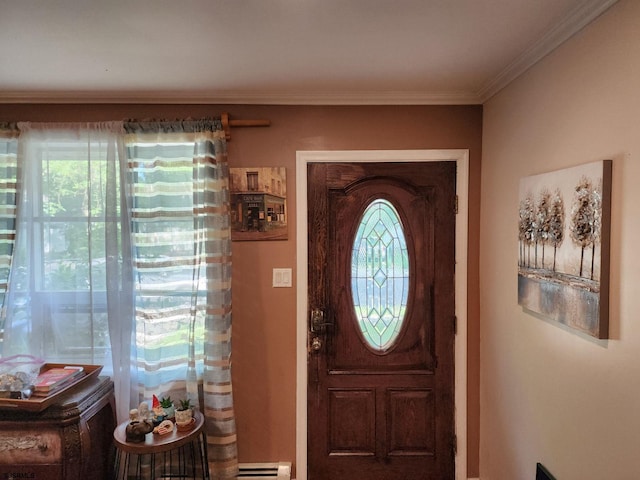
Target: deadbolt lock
pixel 317 322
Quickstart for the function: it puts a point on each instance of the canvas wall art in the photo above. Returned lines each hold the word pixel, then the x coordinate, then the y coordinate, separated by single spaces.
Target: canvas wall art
pixel 563 258
pixel 258 203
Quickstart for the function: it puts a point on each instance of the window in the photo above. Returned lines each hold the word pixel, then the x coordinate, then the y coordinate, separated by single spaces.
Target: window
pixel 380 275
pixel 122 251
pixel 59 303
pixel 252 181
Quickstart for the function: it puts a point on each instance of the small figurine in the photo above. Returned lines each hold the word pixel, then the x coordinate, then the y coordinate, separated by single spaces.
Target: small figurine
pixel 143 412
pixel 158 411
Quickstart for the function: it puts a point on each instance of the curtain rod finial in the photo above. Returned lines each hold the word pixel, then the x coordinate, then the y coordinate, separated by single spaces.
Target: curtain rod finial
pixel 227 124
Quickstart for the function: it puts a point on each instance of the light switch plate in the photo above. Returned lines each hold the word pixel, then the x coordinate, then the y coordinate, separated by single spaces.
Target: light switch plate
pixel 281 277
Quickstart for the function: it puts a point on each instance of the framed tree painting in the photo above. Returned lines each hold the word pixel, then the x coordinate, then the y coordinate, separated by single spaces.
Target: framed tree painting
pixel 563 236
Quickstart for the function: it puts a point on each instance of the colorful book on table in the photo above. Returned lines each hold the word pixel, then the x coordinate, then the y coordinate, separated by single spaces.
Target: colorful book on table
pixel 55 378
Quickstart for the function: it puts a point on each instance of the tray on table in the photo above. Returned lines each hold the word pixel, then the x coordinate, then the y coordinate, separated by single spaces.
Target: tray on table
pixel 37 404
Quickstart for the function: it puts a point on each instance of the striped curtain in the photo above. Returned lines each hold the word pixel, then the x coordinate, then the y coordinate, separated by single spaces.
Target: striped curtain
pixel 182 270
pixel 8 180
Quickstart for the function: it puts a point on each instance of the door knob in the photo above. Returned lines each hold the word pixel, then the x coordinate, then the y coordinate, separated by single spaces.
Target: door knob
pixel 316 344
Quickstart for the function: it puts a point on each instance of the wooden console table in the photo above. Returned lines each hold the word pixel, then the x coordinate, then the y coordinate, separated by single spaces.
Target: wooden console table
pixel 177 454
pixel 69 440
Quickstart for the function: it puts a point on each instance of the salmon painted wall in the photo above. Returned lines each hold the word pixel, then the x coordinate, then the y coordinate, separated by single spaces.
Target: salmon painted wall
pixel 264 331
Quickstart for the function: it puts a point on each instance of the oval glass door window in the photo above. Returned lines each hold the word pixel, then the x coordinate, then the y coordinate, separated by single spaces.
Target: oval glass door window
pixel 380 275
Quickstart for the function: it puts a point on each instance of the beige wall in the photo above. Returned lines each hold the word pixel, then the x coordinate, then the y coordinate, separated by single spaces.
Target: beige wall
pixel 549 394
pixel 264 335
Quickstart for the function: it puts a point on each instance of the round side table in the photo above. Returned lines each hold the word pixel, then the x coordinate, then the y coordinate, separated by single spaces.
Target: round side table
pixel 177 454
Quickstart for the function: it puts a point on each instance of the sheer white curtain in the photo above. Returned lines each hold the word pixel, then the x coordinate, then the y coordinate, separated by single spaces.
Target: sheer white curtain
pixel 70 295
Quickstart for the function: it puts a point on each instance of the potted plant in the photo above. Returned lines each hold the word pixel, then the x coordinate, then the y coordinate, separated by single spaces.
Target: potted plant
pixel 184 412
pixel 167 405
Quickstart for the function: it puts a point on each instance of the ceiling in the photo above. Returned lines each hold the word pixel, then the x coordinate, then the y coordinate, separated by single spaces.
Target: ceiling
pixel 277 51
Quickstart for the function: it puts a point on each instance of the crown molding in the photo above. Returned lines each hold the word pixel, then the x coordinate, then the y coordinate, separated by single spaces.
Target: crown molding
pixel 254 98
pixel 575 21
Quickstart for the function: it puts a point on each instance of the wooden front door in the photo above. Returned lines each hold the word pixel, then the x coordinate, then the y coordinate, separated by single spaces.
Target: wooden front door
pixel 381 321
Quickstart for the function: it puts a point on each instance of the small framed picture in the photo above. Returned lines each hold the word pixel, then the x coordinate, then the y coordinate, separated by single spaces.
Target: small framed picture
pixel 258 203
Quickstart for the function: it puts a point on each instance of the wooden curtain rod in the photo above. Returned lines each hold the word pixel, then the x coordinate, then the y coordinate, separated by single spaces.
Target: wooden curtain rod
pixel 228 123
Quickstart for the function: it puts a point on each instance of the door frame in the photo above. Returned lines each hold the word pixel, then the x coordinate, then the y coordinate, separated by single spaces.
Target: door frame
pixel 461 157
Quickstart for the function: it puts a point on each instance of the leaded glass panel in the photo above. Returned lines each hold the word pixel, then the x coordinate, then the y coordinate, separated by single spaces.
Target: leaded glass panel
pixel 380 274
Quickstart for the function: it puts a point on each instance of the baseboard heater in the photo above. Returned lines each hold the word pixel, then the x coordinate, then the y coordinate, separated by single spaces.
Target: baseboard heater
pixel 265 471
